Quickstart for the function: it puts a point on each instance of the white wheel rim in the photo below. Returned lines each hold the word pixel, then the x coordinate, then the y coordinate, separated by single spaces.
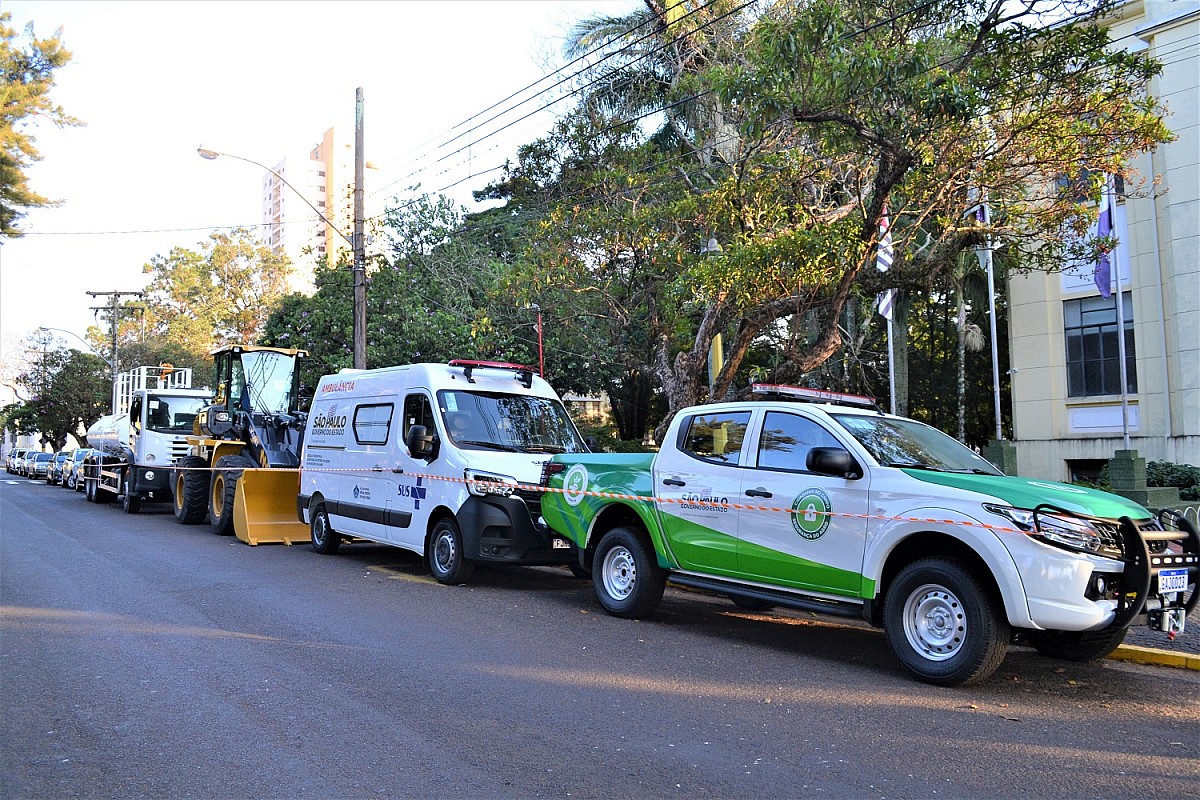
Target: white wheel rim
pixel 935 622
pixel 619 573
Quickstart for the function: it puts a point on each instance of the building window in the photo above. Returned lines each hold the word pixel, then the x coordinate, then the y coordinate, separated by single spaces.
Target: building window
pixel 1093 357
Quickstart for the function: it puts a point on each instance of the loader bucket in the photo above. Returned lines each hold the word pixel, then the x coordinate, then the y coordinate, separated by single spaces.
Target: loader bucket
pixel 264 507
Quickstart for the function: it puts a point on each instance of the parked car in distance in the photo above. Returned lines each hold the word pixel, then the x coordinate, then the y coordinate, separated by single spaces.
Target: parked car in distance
pixel 54 473
pixel 26 463
pixel 73 469
pixel 39 465
pixel 13 460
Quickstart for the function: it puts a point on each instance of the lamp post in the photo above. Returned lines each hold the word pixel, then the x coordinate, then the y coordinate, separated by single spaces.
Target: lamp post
pixel 357 245
pixel 82 341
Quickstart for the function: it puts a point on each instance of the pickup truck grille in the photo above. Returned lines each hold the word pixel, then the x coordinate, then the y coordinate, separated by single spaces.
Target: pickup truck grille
pixel 1112 543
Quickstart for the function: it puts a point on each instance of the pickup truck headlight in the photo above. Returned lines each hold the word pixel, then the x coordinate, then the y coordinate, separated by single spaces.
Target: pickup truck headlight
pixel 485 484
pixel 1072 533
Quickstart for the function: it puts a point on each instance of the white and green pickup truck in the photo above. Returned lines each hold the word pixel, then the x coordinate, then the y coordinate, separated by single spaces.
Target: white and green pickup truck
pixel 816 501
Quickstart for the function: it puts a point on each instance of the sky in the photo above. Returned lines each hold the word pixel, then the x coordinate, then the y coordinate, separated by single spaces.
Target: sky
pixel 155 80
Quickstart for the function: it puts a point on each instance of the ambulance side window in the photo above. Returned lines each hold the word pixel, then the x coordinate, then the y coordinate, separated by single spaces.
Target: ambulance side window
pixel 418 411
pixel 372 423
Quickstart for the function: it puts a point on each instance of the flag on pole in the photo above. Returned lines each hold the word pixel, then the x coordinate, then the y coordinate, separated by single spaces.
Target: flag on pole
pixel 885 301
pixel 1104 225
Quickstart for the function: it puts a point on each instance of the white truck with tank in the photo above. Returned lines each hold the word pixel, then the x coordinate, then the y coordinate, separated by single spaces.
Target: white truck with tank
pixel 135 447
pixel 832 506
pixel 439 459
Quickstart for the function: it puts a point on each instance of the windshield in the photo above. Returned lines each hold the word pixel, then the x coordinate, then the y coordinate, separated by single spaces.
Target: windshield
pixel 173 414
pixel 516 423
pixel 907 443
pixel 268 378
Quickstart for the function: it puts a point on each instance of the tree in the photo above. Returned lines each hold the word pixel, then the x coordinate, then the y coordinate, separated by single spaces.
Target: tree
pixel 26 78
pixel 223 294
pixel 68 391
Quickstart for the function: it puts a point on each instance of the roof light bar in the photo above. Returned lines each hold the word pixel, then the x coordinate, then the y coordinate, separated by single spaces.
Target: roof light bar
pixel 813 395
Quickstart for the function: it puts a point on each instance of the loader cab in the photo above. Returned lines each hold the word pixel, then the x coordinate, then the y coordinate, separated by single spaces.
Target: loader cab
pixel 252 380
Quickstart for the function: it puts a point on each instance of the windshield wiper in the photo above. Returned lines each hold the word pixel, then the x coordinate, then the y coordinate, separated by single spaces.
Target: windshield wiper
pixel 545 448
pixel 491 445
pixel 916 465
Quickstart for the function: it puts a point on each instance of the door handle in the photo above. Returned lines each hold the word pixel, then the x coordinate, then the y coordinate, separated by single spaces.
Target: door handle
pixel 376 468
pixel 759 492
pixel 673 482
pixel 397 470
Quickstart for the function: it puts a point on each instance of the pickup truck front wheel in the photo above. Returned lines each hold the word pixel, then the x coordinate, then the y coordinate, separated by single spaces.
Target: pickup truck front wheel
pixel 943 625
pixel 628 580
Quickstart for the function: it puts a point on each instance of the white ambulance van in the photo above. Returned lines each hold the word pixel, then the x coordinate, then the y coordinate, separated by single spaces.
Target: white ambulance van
pixel 432 458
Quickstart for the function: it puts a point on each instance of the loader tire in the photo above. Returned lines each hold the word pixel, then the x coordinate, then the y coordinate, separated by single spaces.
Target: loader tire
pixel 191 491
pixel 226 474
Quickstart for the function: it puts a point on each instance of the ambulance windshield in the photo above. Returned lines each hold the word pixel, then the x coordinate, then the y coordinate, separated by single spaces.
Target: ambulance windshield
pixel 515 423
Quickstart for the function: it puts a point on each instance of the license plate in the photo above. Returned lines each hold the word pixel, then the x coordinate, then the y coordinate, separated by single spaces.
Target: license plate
pixel 1172 580
pixel 563 544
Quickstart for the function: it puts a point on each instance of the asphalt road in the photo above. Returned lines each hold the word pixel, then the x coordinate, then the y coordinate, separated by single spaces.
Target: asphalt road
pixel 139 658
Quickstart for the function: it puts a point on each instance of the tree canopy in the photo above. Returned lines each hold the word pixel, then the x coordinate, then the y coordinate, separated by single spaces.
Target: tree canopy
pixel 68 391
pixel 26 78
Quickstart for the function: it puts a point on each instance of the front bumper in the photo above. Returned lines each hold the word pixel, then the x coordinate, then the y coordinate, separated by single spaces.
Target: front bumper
pixel 502 530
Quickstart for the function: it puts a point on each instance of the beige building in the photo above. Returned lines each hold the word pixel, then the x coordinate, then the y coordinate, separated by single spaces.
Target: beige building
pixel 1069 416
pixel 324 175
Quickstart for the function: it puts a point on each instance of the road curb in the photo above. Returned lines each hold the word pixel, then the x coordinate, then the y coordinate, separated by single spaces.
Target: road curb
pixel 1148 655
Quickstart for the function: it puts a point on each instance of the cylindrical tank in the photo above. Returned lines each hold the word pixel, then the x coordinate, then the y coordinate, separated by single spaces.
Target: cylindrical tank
pixel 109 433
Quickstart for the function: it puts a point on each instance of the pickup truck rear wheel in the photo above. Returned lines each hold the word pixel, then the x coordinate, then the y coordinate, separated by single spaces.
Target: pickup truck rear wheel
pixel 943 625
pixel 191 491
pixel 628 580
pixel 1076 645
pixel 445 554
pixel 227 472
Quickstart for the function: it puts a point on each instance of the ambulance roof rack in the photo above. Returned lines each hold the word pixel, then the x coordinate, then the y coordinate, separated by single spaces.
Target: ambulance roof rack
pixel 524 373
pixel 800 394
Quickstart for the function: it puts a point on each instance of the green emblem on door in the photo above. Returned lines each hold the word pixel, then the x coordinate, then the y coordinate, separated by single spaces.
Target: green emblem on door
pixel 811 513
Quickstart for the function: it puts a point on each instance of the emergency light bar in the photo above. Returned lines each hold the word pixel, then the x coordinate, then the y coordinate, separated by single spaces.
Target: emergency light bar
pixel 813 395
pixel 524 373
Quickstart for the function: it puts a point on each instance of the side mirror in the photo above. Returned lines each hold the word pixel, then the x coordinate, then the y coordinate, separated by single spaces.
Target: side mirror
pixel 833 461
pixel 419 441
pixel 592 444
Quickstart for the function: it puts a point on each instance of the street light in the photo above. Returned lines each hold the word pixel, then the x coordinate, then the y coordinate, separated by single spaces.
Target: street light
pixel 356 245
pixel 81 339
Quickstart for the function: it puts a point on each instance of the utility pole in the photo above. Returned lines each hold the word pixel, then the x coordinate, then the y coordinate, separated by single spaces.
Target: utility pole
pixel 360 259
pixel 114 315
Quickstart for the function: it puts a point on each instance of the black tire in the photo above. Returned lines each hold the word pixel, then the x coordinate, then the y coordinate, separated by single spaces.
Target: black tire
pixel 226 473
pixel 625 573
pixel 130 502
pixel 943 625
pixel 1076 645
pixel 445 554
pixel 325 540
pixel 190 491
pixel 99 493
pixel 750 603
pixel 89 489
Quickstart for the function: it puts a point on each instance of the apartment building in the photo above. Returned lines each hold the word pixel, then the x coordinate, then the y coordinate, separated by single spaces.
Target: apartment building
pixel 1070 415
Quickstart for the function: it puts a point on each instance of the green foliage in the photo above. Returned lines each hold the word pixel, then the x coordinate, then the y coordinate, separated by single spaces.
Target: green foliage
pixel 222 294
pixel 69 391
pixel 1184 477
pixel 26 78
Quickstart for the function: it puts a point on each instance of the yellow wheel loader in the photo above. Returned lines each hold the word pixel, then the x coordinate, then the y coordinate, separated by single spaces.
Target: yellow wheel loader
pixel 242 470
